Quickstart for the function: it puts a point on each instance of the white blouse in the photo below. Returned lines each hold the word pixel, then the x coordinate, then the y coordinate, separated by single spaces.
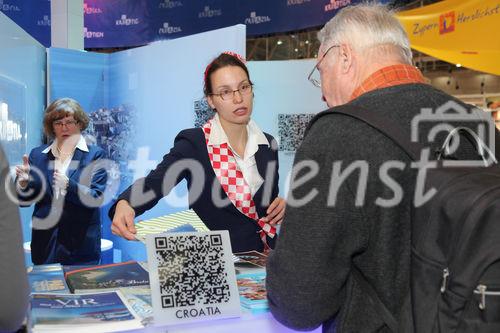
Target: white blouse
pixel 62 165
pixel 247 164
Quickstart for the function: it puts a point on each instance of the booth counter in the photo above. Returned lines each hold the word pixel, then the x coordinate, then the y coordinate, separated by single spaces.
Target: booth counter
pixel 247 323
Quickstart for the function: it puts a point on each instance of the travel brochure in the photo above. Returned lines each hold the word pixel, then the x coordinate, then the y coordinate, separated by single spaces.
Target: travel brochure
pixel 117 297
pixel 251 259
pixel 47 279
pixel 140 301
pixel 98 312
pixel 183 221
pixel 252 289
pixel 107 277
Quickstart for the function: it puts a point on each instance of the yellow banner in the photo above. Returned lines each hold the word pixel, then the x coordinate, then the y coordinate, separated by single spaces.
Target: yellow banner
pixel 465 32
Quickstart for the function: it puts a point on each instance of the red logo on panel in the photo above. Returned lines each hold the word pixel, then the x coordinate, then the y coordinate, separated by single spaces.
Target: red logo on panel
pixel 447 23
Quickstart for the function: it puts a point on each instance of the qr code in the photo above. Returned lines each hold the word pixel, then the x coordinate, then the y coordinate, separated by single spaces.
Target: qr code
pixel 291 129
pixel 191 270
pixel 202 112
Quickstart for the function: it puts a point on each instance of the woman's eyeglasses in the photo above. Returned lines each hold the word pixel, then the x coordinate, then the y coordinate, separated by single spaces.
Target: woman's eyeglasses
pixel 315 81
pixel 60 124
pixel 227 94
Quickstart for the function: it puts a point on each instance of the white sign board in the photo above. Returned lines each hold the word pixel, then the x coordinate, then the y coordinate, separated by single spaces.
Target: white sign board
pixel 192 277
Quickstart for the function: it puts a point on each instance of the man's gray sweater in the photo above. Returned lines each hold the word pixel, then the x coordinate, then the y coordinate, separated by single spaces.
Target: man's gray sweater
pixel 309 278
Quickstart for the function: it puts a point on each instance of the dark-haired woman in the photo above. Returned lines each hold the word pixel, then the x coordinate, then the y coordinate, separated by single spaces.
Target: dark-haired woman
pixel 237 186
pixel 65 182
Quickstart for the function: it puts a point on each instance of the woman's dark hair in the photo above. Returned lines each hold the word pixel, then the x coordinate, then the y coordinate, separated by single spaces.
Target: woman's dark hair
pixel 223 60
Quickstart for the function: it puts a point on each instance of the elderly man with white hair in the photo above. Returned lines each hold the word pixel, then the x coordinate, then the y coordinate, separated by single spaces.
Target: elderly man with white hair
pixel 348 212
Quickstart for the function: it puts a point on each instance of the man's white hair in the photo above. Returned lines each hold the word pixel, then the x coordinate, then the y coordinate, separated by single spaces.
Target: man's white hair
pixel 367 26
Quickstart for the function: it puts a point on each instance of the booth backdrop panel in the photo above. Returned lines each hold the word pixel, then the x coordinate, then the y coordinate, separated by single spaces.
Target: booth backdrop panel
pixel 80 75
pixel 281 87
pixel 162 81
pixel 148 93
pixel 22 97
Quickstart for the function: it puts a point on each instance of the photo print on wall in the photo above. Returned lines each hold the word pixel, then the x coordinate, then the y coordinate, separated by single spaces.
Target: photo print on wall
pixel 113 130
pixel 13 118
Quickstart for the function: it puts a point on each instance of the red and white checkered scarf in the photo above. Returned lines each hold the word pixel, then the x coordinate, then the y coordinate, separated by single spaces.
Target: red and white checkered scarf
pixel 231 178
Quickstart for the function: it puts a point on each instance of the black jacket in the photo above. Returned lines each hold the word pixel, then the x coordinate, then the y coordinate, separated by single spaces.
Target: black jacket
pixel 74 236
pixel 189 145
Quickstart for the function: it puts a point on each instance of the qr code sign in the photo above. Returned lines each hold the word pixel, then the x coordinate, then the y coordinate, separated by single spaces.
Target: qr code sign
pixel 191 270
pixel 193 274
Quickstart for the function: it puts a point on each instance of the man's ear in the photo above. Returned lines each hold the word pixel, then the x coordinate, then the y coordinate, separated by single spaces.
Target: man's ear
pixel 346 57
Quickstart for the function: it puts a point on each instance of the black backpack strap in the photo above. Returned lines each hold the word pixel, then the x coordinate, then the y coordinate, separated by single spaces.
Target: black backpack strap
pixel 402 139
pixel 375 301
pixel 412 149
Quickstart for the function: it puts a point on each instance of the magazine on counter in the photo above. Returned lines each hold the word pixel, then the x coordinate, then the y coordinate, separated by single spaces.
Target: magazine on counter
pixel 47 279
pixel 183 221
pixel 98 312
pixel 251 259
pixel 107 277
pixel 252 290
pixel 139 300
pixel 144 231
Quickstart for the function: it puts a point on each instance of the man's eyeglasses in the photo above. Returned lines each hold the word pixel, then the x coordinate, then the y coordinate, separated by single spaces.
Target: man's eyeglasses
pixel 69 123
pixel 317 82
pixel 227 94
